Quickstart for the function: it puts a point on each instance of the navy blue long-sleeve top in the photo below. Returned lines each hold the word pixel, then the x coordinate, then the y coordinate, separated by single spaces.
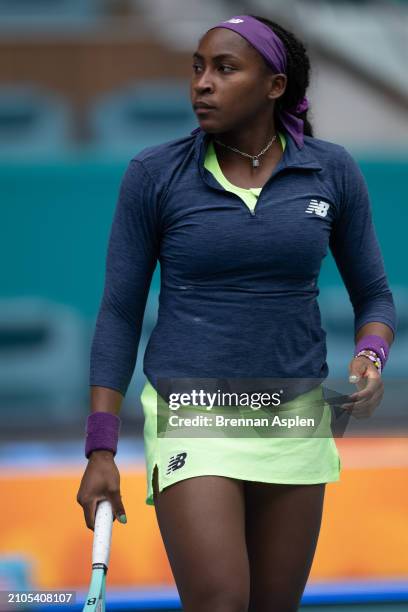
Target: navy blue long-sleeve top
pixel 238 295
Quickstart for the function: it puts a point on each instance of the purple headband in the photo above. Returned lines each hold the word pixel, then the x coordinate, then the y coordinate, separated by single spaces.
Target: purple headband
pixel 273 50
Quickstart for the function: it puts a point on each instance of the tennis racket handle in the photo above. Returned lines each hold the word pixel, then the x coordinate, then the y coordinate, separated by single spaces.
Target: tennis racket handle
pixel 102 533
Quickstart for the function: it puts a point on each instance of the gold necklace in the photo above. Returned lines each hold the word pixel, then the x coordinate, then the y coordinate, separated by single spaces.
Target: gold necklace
pixel 254 158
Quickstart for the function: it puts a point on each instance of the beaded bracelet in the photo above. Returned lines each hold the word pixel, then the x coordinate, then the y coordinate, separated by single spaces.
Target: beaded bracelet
pixel 372 355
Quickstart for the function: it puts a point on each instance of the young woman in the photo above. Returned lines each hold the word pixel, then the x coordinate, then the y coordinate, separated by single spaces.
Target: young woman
pixel 240 214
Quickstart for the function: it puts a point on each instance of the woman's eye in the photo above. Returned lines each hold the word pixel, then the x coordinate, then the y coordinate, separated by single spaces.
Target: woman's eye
pixel 223 68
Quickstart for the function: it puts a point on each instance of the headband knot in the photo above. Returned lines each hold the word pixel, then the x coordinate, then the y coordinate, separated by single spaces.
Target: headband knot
pixel 302 105
pixel 271 47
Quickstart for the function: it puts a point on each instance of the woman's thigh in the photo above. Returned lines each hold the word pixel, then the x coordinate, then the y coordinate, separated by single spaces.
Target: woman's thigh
pixel 202 523
pixel 282 529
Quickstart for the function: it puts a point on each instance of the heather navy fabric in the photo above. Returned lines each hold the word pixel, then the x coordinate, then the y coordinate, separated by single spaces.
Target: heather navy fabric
pixel 238 289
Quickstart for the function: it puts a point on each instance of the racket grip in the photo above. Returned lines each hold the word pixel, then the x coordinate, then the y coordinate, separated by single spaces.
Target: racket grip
pixel 102 533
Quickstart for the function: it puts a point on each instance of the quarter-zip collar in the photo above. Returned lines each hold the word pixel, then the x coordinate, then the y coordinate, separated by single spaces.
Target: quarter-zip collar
pixel 292 157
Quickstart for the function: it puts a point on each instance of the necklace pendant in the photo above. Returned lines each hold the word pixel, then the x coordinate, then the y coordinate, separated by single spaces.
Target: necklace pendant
pixel 255 162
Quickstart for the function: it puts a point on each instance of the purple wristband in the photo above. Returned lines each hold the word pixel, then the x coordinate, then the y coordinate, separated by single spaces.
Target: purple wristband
pixel 375 343
pixel 102 432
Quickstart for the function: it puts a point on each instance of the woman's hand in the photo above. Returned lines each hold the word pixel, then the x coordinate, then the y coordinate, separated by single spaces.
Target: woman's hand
pixel 101 480
pixel 370 385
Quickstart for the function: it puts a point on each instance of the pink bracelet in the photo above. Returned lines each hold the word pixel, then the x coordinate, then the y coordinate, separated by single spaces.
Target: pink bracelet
pixel 372 356
pixel 102 432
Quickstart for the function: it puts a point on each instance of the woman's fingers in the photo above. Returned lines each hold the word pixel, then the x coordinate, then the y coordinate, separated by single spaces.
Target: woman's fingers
pixel 117 506
pixel 89 508
pixel 90 505
pixel 371 388
pixel 365 407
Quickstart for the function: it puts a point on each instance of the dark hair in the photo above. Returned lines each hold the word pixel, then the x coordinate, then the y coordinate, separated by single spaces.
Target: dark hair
pixel 297 71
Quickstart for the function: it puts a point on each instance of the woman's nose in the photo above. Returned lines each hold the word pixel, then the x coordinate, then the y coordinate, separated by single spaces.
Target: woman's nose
pixel 203 81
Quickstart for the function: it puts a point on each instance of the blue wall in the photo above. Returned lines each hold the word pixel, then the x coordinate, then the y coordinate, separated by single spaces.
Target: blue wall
pixel 56 218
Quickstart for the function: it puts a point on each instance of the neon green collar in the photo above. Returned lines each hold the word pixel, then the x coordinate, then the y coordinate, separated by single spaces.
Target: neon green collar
pixel 211 163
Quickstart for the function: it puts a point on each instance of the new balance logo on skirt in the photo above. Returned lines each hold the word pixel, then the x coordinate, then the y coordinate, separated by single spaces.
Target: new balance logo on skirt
pixel 318 207
pixel 176 462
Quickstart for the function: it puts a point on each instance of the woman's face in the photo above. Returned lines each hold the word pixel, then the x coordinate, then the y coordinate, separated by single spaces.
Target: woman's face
pixel 232 78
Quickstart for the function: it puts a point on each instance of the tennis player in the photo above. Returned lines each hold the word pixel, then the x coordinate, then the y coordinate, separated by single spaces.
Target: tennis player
pixel 240 214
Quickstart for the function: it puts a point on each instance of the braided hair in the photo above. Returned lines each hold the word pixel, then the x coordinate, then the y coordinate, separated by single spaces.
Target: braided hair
pixel 298 69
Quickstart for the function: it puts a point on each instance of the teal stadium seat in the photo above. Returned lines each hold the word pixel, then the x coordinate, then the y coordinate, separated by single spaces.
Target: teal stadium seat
pixel 43 14
pixel 141 115
pixel 43 364
pixel 33 121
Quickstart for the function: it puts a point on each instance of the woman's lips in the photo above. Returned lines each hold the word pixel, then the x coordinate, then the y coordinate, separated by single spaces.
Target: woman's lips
pixel 203 110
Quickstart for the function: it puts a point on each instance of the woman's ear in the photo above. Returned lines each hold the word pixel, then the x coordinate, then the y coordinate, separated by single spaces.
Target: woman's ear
pixel 277 87
pixel 281 81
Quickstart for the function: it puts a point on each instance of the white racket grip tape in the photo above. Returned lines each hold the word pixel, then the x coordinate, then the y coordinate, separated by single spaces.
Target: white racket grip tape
pixel 102 533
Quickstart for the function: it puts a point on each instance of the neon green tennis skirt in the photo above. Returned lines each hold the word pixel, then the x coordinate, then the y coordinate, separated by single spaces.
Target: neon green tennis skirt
pixel 283 460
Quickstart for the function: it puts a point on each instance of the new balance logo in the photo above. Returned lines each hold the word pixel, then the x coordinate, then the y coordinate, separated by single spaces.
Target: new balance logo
pixel 176 462
pixel 318 207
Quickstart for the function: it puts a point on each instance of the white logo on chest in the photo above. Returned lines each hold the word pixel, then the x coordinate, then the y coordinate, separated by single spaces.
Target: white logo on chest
pixel 318 207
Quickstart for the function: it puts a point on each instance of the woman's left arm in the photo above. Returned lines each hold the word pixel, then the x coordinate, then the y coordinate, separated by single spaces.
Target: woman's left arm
pixel 356 250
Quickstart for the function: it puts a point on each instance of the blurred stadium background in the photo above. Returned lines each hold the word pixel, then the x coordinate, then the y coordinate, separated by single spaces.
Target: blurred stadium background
pixel 84 86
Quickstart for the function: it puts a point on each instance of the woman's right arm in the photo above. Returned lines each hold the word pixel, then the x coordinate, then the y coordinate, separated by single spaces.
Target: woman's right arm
pixel 101 479
pixel 131 259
